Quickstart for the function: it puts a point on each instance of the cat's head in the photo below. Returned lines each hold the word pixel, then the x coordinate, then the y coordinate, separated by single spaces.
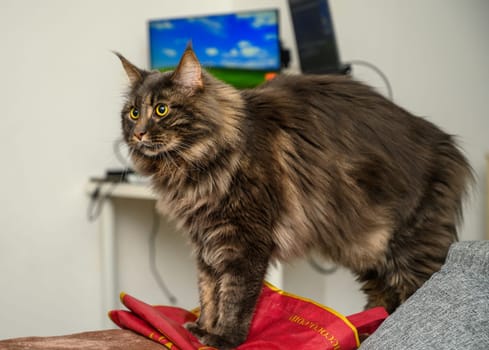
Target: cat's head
pixel 184 114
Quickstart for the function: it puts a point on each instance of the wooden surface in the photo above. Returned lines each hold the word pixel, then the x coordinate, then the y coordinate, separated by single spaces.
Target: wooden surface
pixel 115 339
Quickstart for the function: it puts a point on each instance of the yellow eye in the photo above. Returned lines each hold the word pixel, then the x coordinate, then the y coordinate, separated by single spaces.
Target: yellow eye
pixel 162 110
pixel 134 113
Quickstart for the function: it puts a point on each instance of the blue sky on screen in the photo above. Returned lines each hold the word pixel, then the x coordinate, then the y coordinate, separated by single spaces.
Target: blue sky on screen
pixel 241 40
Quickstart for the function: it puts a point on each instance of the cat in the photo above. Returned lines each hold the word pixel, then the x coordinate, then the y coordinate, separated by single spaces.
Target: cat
pixel 299 163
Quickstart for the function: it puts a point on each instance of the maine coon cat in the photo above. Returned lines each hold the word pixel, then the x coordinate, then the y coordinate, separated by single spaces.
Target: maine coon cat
pixel 299 163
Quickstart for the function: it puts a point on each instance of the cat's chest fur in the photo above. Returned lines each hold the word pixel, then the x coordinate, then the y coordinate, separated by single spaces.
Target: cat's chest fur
pixel 191 195
pixel 236 188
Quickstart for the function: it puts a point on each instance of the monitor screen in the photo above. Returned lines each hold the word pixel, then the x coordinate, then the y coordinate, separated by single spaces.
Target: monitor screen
pixel 238 48
pixel 315 37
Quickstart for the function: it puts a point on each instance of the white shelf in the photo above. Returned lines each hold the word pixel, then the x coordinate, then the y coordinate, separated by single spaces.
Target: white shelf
pixel 121 190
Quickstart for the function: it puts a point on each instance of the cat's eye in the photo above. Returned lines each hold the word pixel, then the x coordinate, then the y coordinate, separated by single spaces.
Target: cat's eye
pixel 134 113
pixel 162 110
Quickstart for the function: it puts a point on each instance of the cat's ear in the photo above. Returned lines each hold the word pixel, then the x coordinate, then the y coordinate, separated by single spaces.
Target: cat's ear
pixel 134 74
pixel 188 73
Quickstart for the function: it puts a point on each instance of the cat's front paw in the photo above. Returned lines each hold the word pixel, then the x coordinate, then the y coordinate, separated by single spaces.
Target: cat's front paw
pixel 195 329
pixel 214 340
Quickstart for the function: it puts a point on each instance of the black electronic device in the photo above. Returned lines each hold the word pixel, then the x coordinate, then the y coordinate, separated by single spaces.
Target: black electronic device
pixel 315 37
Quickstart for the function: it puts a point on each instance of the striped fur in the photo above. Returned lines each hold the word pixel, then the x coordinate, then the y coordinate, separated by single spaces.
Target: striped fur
pixel 300 163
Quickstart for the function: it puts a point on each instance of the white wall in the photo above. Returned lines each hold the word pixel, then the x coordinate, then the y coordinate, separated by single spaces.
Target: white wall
pixel 61 93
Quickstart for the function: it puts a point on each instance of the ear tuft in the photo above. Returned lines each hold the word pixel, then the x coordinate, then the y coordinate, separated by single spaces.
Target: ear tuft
pixel 189 71
pixel 133 73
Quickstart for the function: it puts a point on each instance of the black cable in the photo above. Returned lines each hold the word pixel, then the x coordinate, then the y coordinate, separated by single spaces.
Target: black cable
pixel 379 72
pixel 322 270
pixel 94 206
pixel 152 260
pixel 97 197
pixel 97 200
pixel 116 146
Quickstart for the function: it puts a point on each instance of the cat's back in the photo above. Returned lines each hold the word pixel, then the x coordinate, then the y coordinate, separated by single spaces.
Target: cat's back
pixel 303 86
pixel 331 98
pixel 336 112
pixel 334 96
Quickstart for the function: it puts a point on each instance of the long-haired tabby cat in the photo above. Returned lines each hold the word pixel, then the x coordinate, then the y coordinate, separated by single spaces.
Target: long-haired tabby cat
pixel 299 163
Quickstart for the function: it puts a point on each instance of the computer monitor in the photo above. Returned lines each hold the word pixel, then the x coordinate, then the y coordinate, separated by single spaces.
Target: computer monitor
pixel 315 37
pixel 239 48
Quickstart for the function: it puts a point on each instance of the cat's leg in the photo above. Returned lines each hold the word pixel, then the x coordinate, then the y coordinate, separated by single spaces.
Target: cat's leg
pixel 208 287
pixel 378 291
pixel 240 271
pixel 416 252
pixel 239 289
pixel 418 248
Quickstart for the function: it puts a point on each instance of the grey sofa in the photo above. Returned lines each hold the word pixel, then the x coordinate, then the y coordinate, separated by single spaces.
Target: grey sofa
pixel 449 312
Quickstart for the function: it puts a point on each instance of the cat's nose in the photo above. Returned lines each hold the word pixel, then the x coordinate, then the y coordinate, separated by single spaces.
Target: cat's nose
pixel 139 134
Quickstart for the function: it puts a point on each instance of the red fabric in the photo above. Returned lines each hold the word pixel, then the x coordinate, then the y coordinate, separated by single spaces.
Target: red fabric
pixel 282 321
